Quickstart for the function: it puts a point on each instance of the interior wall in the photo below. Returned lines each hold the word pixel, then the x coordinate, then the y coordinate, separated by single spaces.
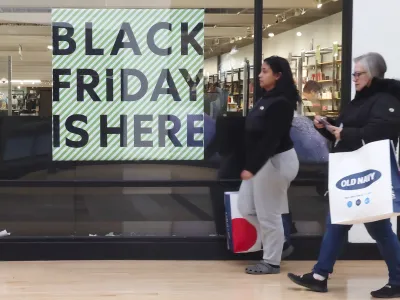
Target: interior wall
pixel 324 32
pixel 4 90
pixel 371 35
pixel 379 34
pixel 211 66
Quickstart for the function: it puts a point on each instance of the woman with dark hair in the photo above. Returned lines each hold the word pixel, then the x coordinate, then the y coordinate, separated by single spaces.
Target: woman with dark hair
pixel 271 162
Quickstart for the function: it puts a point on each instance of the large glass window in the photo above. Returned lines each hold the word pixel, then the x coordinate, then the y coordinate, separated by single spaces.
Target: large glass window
pixel 307 33
pixel 169 46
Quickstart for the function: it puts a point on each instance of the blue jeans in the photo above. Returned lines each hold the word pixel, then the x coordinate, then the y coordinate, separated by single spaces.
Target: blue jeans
pixel 381 231
pixel 287 226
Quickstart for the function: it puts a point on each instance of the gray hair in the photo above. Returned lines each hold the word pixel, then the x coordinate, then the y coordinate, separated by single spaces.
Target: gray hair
pixel 374 64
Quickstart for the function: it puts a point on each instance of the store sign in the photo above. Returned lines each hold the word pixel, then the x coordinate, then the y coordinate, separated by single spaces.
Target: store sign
pixel 128 84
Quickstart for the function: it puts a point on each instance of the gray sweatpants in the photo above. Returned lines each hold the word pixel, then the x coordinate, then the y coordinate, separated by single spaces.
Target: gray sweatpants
pixel 264 197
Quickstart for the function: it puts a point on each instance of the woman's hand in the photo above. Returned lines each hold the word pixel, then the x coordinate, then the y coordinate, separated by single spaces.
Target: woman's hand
pixel 335 131
pixel 246 175
pixel 317 122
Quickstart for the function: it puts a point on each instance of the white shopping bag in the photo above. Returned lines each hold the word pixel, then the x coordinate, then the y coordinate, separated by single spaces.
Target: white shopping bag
pixel 243 235
pixel 364 185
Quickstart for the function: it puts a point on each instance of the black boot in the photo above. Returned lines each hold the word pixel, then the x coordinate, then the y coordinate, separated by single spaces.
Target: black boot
pixel 388 291
pixel 308 281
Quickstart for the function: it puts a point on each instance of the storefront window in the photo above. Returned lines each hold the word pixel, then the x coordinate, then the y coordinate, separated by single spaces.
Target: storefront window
pixel 209 68
pixel 140 69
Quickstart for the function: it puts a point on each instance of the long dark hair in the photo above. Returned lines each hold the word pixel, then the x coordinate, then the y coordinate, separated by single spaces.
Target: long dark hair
pixel 285 85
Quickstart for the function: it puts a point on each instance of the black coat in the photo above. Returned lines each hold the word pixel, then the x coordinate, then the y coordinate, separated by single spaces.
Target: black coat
pixel 267 130
pixel 246 143
pixel 373 115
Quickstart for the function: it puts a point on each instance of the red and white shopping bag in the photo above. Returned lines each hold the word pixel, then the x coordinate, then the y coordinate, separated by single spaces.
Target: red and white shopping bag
pixel 243 235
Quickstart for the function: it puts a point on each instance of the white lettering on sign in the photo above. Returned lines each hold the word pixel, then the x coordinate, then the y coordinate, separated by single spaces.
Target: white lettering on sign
pixel 361 180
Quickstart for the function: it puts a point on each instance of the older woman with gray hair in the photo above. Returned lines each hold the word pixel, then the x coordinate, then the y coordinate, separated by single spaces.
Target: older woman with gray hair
pixel 373 115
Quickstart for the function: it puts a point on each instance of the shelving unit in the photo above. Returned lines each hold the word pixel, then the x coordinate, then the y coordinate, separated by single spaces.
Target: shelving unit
pixel 321 64
pixel 233 82
pixel 324 66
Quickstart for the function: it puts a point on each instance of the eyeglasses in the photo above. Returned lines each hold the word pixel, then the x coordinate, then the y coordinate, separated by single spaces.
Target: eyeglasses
pixel 358 74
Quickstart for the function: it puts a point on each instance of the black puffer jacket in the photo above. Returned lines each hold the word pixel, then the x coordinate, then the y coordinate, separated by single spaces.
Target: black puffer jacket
pixel 373 115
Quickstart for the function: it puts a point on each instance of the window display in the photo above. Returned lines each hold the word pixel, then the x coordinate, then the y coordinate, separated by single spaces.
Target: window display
pixel 34 135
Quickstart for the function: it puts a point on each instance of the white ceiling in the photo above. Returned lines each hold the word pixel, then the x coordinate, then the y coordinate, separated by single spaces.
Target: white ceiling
pixel 27 23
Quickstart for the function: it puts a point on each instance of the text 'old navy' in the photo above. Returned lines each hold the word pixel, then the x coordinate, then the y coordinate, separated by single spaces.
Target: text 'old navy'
pixel 359 180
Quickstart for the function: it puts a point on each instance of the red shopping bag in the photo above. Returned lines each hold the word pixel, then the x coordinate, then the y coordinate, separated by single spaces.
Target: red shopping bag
pixel 243 235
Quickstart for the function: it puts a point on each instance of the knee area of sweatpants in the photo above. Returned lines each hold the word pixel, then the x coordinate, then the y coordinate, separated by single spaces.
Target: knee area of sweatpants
pixel 272 221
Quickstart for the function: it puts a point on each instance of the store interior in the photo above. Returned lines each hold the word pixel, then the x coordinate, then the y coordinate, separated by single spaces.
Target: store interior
pixel 309 38
pixel 307 32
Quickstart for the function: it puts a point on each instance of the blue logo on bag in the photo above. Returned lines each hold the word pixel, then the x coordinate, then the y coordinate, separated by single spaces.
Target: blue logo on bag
pixel 349 204
pixel 358 202
pixel 367 201
pixel 358 181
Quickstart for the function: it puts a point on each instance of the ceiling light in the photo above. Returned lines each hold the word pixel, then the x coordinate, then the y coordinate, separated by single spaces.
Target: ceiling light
pixel 19 87
pixel 319 4
pixel 303 11
pixel 26 81
pixel 238 13
pixel 271 34
pixel 269 25
pixel 50 47
pixel 252 36
pixel 234 50
pixel 240 38
pixel 299 33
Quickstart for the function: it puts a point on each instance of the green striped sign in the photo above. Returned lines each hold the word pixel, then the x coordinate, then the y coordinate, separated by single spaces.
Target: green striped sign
pixel 128 84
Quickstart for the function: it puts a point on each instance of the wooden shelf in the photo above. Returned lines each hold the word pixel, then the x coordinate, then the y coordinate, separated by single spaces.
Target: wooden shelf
pixel 323 81
pixel 325 63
